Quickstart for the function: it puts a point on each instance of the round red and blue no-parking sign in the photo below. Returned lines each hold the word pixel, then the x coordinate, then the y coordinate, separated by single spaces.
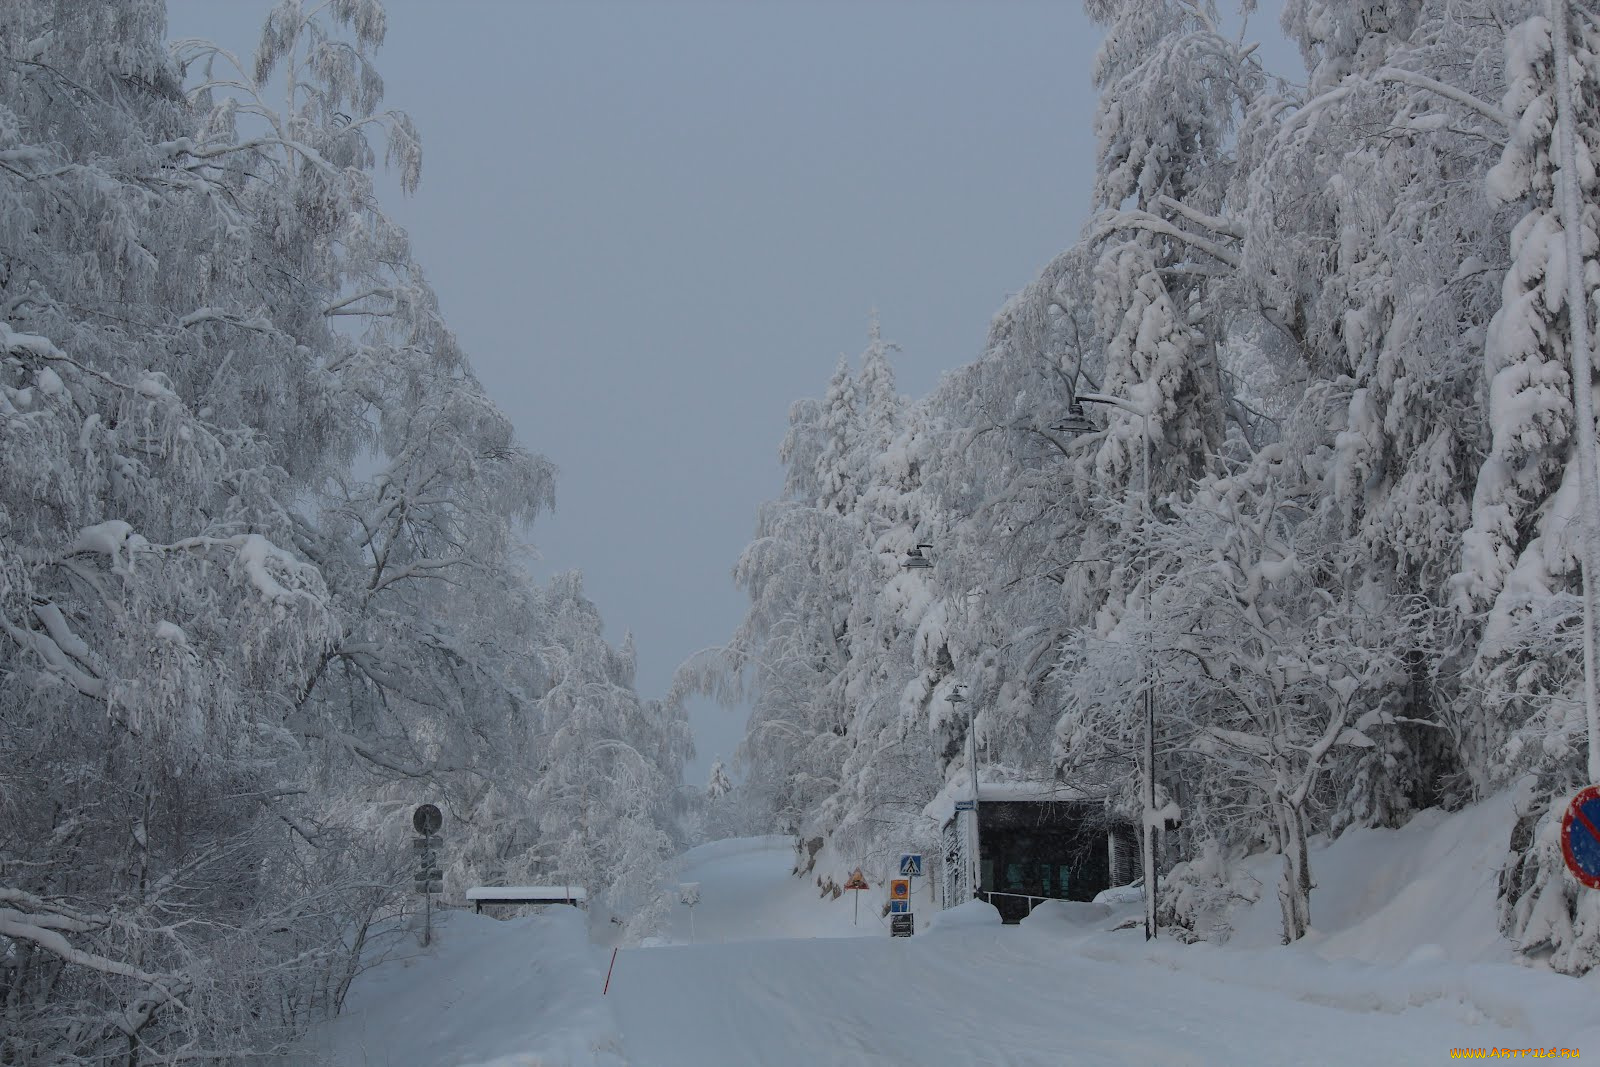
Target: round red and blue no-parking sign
pixel 1580 836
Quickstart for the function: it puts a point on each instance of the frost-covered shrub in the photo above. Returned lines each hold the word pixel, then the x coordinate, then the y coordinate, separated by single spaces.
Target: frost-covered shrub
pixel 1543 909
pixel 1199 894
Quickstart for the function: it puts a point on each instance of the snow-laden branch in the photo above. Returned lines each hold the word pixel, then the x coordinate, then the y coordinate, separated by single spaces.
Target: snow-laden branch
pixel 1217 223
pixel 1254 744
pixel 1389 75
pixel 417 568
pixel 56 659
pixel 376 757
pixel 1449 92
pixel 44 931
pixel 342 307
pixel 185 146
pixel 1111 221
pixel 258 324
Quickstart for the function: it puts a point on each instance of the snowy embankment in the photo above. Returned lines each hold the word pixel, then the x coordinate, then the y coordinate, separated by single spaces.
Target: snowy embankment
pixel 1400 919
pixel 487 993
pixel 1388 896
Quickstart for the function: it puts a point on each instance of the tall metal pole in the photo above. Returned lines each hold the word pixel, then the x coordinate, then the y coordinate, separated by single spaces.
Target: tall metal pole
pixel 1148 768
pixel 1150 875
pixel 972 749
pixel 1583 398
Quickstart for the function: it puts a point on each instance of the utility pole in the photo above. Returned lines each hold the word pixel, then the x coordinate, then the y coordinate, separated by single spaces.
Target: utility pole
pixel 1076 424
pixel 1570 209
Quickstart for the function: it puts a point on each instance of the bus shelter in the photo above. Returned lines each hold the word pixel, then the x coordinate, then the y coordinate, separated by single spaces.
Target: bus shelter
pixel 1036 841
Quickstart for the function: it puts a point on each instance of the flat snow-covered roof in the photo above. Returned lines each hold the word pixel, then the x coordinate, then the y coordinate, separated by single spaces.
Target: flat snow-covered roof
pixel 942 808
pixel 526 892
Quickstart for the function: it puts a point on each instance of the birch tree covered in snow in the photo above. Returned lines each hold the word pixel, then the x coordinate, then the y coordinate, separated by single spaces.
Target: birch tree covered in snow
pixel 229 662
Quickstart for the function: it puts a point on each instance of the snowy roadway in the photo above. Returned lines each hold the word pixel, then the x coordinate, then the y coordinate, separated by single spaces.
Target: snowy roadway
pixel 992 995
pixel 1406 967
pixel 980 999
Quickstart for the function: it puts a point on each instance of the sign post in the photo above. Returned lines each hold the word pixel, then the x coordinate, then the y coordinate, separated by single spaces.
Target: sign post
pixel 857 882
pixel 1580 836
pixel 911 867
pixel 689 896
pixel 901 921
pixel 427 820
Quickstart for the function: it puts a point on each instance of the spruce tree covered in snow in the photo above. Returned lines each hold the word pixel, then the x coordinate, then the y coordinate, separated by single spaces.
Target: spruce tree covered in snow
pixel 814 653
pixel 609 761
pixel 1523 555
pixel 1171 84
pixel 717 782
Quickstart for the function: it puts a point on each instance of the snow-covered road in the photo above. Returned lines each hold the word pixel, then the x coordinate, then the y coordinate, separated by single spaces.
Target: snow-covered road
pixel 1042 993
pixel 986 996
pixel 1407 968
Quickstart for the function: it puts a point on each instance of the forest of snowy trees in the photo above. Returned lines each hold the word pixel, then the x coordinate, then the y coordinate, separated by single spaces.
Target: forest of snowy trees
pixel 1342 302
pixel 261 588
pixel 262 583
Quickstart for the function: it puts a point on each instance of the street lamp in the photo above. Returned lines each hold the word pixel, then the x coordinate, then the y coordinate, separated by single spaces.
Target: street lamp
pixel 955 697
pixel 1076 424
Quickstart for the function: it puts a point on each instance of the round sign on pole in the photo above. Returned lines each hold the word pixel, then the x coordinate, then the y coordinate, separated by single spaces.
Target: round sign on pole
pixel 1580 836
pixel 427 819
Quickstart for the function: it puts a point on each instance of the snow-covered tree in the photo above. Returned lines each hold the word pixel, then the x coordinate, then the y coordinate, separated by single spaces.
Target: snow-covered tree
pixel 258 576
pixel 717 782
pixel 1264 668
pixel 1524 556
pixel 1359 567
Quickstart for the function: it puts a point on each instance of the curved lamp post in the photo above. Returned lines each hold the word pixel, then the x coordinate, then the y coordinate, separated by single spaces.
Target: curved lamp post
pixel 955 697
pixel 1077 424
pixel 918 559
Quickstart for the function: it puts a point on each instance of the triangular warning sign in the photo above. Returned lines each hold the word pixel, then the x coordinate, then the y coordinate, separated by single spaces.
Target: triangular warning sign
pixel 857 880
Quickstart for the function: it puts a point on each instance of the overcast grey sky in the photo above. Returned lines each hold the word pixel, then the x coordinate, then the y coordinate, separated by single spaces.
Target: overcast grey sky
pixel 654 225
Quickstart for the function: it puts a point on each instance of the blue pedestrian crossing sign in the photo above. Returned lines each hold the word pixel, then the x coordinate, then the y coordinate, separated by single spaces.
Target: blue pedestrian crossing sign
pixel 1580 836
pixel 911 865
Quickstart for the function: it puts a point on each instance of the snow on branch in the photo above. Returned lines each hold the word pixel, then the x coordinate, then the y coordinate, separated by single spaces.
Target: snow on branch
pixel 1111 221
pixel 1449 92
pixel 1221 225
pixel 44 927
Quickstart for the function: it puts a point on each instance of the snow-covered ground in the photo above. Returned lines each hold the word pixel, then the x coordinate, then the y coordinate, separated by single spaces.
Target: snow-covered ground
pixel 513 993
pixel 1403 966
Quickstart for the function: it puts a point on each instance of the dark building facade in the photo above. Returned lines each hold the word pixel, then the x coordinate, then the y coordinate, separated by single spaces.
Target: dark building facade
pixel 1035 850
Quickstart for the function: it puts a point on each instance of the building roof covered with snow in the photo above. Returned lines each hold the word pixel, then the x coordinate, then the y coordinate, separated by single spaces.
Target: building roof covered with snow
pixel 530 894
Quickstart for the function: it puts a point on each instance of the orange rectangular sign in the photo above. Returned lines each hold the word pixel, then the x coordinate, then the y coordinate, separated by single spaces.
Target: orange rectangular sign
pixel 899 889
